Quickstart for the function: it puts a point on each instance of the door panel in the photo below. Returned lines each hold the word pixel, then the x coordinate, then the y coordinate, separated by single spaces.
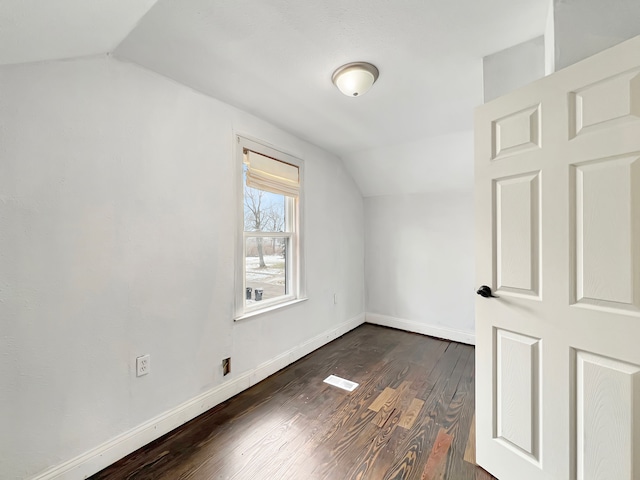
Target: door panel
pixel 605 246
pixel 517 238
pixel 608 405
pixel 517 392
pixel 516 133
pixel 606 103
pixel 558 237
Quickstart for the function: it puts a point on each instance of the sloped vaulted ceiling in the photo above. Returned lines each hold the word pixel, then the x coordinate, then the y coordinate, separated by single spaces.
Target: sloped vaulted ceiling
pixel 33 30
pixel 274 58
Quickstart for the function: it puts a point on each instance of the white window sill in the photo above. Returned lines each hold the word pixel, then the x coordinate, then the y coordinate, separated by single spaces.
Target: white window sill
pixel 255 313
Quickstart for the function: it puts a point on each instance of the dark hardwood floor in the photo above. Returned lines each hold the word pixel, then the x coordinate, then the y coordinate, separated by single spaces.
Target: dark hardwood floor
pixel 410 418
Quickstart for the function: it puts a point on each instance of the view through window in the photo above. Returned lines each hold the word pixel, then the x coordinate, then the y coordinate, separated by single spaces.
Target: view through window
pixel 269 266
pixel 267 244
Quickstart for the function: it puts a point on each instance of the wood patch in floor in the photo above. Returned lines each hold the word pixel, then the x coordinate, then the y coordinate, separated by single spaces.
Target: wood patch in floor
pixel 437 462
pixel 470 451
pixel 411 415
pixel 389 407
pixel 381 399
pixel 390 400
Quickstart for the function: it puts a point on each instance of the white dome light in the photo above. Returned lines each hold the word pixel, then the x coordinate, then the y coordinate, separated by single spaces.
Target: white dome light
pixel 354 79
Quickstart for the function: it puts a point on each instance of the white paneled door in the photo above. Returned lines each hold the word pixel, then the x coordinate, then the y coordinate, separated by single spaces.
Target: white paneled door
pixel 558 245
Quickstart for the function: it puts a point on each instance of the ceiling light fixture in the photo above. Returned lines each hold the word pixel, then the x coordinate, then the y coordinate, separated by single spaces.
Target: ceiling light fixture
pixel 354 79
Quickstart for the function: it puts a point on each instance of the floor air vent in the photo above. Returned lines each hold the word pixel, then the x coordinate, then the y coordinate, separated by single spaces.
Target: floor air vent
pixel 341 383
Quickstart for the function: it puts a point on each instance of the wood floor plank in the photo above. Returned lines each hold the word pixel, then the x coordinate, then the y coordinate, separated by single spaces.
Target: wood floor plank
pixel 429 360
pixel 410 463
pixel 410 416
pixel 447 373
pixel 340 456
pixel 381 399
pixel 416 397
pixel 422 436
pixel 470 450
pixel 370 456
pixel 458 423
pixel 436 464
pixel 390 406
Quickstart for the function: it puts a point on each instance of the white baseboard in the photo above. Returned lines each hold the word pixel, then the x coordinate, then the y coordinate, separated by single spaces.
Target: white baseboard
pixel 104 455
pixel 270 367
pixel 461 336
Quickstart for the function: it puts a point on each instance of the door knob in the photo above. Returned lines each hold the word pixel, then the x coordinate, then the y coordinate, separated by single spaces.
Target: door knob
pixel 485 291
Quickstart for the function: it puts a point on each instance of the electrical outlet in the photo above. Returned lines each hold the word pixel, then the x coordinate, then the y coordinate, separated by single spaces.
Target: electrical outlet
pixel 143 365
pixel 335 298
pixel 226 366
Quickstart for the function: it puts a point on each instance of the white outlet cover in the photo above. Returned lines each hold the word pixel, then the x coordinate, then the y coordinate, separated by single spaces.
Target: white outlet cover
pixel 143 365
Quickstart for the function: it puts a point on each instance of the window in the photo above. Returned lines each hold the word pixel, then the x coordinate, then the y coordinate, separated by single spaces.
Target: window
pixel 269 263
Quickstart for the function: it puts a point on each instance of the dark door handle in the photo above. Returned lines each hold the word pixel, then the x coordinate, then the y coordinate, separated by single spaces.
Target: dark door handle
pixel 485 292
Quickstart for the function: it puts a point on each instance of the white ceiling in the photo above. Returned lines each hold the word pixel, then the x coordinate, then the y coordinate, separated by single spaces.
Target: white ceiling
pixel 274 58
pixel 32 30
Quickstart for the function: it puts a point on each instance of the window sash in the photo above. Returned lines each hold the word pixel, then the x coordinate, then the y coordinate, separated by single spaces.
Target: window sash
pixel 294 220
pixel 290 216
pixel 290 271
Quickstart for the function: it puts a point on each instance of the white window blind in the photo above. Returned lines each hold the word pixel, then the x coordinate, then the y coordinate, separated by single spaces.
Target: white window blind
pixel 265 173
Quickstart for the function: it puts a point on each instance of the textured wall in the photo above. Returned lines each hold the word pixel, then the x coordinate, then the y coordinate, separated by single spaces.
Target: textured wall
pixel 420 260
pixel 586 27
pixel 419 233
pixel 512 68
pixel 117 221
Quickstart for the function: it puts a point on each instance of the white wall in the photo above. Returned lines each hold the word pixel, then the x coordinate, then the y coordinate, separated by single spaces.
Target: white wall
pixel 420 263
pixel 117 218
pixel 512 68
pixel 419 259
pixel 586 27
pixel 550 41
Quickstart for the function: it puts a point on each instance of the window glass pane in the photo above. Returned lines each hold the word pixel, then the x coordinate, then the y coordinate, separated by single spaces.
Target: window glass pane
pixel 263 211
pixel 265 268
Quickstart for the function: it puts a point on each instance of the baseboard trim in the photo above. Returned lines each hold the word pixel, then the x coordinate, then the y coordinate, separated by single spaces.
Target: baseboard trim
pixel 461 336
pixel 104 455
pixel 270 367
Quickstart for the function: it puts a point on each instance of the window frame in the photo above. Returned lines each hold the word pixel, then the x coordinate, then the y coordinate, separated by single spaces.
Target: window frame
pixel 295 250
